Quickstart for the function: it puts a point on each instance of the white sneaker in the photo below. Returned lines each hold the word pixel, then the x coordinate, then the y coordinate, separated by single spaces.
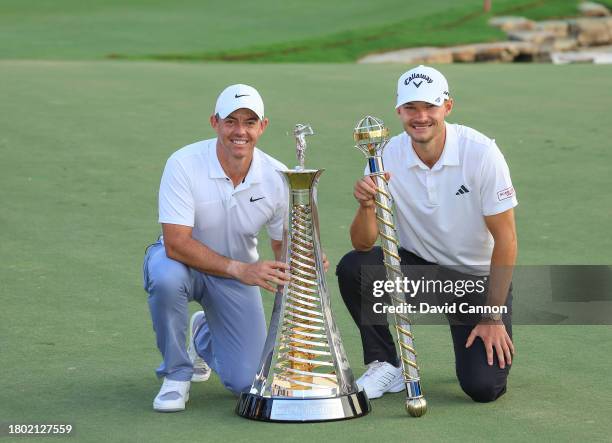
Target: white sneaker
pixel 381 377
pixel 172 396
pixel 201 371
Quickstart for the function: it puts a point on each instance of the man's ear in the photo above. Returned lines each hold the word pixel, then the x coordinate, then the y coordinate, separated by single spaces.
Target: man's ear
pixel 214 121
pixel 448 105
pixel 264 123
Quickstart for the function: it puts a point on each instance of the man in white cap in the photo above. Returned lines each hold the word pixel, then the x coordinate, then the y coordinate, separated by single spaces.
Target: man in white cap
pixel 454 214
pixel 214 198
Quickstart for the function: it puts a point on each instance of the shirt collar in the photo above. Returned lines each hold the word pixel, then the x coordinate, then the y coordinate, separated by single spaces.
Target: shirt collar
pixel 214 166
pixel 412 159
pixel 450 153
pixel 254 175
pixel 215 170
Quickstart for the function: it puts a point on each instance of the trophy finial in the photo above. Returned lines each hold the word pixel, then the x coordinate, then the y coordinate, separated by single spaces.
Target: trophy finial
pixel 300 132
pixel 371 135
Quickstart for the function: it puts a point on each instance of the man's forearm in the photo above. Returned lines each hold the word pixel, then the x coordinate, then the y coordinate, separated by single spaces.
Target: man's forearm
pixel 277 249
pixel 364 229
pixel 198 256
pixel 502 266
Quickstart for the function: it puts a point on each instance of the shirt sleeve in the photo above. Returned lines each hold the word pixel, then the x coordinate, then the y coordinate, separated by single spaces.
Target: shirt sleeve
pixel 497 193
pixel 176 204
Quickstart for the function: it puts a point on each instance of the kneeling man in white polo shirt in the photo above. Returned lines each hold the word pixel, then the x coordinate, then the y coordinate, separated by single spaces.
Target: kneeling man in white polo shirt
pixel 454 205
pixel 214 198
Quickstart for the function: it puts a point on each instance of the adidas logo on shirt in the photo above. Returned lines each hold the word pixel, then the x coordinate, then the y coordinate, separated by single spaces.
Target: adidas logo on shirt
pixel 462 190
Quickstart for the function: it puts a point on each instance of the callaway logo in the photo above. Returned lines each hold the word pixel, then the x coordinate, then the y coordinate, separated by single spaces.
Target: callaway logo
pixel 238 96
pixel 416 75
pixel 255 199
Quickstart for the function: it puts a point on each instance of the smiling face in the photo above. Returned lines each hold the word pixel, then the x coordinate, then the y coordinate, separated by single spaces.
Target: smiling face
pixel 423 121
pixel 237 134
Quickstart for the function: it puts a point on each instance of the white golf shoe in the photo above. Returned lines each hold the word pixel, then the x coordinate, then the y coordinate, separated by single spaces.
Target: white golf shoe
pixel 381 377
pixel 172 396
pixel 201 371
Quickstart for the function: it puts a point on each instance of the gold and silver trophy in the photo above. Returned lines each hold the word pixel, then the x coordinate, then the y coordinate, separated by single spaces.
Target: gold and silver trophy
pixel 371 136
pixel 304 374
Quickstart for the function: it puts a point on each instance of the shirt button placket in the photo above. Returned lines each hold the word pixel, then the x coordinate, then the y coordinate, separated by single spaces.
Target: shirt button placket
pixel 432 194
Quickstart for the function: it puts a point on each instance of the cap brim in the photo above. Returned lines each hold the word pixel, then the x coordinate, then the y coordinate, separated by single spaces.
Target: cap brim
pixel 225 112
pixel 427 98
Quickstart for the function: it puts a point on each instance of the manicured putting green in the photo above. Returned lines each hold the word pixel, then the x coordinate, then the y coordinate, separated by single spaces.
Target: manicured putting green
pixel 83 145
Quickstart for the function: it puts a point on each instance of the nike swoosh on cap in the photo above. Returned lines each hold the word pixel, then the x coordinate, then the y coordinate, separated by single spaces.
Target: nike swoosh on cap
pixel 242 95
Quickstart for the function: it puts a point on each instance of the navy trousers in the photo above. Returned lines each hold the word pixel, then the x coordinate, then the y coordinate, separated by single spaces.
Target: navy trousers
pixel 356 273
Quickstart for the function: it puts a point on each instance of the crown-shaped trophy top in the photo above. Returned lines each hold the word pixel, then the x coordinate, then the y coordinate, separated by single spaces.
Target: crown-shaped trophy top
pixel 300 132
pixel 371 135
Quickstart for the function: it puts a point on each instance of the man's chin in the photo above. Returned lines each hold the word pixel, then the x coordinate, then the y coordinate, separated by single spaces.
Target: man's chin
pixel 420 138
pixel 242 150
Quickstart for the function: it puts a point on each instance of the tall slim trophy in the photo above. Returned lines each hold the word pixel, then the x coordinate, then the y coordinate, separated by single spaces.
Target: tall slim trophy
pixel 304 374
pixel 371 136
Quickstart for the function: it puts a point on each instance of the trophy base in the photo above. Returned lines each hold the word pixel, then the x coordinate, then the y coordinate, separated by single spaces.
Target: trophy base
pixel 301 410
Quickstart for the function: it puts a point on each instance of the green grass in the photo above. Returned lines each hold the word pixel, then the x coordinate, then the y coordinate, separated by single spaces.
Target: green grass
pixel 83 145
pixel 73 29
pixel 454 25
pixel 266 31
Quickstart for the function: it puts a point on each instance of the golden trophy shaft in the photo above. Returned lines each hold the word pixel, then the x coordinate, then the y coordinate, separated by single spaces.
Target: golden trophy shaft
pixel 371 137
pixel 304 361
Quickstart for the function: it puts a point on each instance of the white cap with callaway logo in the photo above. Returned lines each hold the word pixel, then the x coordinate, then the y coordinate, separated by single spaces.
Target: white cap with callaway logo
pixel 239 96
pixel 422 84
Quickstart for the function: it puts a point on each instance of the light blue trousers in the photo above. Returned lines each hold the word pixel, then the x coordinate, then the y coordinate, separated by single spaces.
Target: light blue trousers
pixel 233 336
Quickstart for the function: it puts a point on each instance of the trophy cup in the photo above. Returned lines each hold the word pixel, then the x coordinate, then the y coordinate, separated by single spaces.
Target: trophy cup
pixel 304 374
pixel 371 137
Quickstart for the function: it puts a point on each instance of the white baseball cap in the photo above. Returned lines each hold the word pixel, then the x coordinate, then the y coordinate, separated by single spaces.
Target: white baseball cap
pixel 422 84
pixel 239 96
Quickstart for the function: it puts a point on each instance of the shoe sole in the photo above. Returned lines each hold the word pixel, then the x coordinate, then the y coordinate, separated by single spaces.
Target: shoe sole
pixel 191 349
pixel 200 378
pixel 168 410
pixel 393 390
pixel 158 408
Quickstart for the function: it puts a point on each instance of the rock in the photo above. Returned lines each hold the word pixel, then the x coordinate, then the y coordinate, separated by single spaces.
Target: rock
pixel 494 52
pixel 564 58
pixel 560 28
pixel 600 55
pixel 464 54
pixel 562 44
pixel 511 23
pixel 608 22
pixel 591 31
pixel 537 37
pixel 411 56
pixel 507 51
pixel 592 9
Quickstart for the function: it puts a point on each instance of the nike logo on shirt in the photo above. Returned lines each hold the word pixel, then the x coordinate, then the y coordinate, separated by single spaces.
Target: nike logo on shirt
pixel 255 199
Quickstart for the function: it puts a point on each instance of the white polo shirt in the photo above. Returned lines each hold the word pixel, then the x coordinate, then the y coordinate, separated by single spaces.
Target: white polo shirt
pixel 440 211
pixel 196 192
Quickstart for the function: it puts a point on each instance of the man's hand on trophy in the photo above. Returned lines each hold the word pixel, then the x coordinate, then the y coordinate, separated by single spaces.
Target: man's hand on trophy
pixel 365 190
pixel 264 274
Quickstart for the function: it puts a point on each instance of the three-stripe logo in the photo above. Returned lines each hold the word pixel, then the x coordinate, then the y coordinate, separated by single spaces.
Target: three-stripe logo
pixel 462 190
